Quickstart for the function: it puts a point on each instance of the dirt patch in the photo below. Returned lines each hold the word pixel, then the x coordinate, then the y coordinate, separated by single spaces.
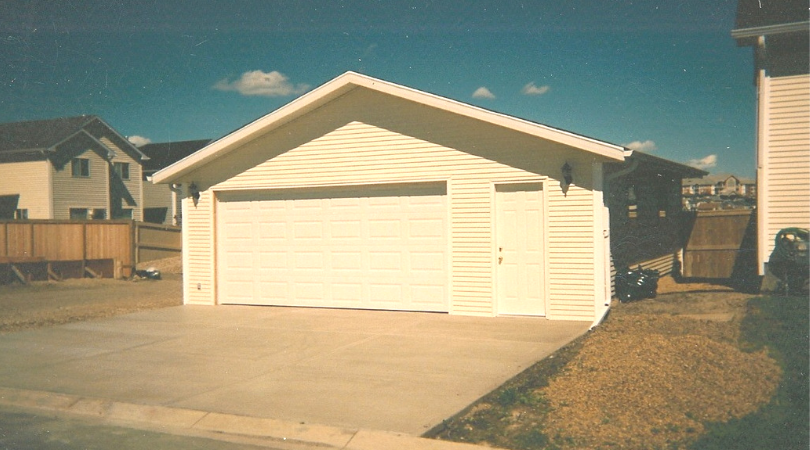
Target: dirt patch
pixel 50 303
pixel 651 379
pixel 651 376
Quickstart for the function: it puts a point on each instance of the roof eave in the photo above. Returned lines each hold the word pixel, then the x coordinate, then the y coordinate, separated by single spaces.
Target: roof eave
pixel 346 83
pixel 748 36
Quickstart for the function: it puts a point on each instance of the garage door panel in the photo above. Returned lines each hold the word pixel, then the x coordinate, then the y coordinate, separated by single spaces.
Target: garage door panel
pixel 369 247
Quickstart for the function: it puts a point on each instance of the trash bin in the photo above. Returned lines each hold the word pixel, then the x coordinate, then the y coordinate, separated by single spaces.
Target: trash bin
pixel 636 284
pixel 790 261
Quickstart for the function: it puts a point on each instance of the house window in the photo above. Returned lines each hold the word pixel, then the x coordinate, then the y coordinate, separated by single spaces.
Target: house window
pixel 80 167
pixel 122 170
pixel 78 213
pixel 21 214
pixel 99 214
pixel 125 213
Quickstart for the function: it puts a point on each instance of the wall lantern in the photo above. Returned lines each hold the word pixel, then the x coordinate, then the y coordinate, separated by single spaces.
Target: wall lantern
pixel 567 174
pixel 194 192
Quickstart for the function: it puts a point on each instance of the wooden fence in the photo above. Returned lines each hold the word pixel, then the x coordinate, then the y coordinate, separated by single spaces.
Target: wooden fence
pixel 722 245
pixel 44 249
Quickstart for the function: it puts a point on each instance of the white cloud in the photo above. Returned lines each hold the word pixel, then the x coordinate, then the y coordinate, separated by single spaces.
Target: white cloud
pixel 256 82
pixel 642 146
pixel 704 163
pixel 532 89
pixel 139 141
pixel 483 92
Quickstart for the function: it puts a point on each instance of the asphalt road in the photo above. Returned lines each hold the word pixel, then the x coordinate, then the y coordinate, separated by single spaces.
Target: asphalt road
pixel 23 430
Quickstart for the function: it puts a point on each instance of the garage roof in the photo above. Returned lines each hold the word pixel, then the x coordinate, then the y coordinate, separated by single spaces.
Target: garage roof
pixel 349 81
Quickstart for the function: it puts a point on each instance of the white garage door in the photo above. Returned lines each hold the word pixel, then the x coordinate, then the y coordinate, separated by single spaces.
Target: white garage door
pixel 381 247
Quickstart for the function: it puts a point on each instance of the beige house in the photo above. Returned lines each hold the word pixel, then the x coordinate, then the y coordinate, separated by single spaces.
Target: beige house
pixel 70 168
pixel 779 33
pixel 366 194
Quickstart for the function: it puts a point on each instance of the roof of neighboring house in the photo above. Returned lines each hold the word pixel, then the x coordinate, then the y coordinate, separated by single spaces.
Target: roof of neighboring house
pixel 39 134
pixel 713 179
pixel 39 139
pixel 164 154
pixel 349 81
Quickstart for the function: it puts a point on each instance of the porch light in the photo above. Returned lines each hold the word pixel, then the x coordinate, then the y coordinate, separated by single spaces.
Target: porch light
pixel 194 192
pixel 567 174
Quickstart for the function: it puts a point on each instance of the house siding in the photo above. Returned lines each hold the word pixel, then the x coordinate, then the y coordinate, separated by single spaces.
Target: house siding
pixel 30 181
pixel 379 145
pixel 91 192
pixel 785 163
pixel 133 184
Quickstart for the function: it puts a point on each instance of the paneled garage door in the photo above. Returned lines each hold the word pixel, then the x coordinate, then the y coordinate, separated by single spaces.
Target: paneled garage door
pixel 379 247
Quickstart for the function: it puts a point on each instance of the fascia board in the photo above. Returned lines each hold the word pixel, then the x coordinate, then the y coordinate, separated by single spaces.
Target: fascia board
pixel 768 30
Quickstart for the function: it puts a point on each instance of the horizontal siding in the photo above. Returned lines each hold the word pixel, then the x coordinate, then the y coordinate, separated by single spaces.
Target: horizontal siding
pixel 91 192
pixel 787 169
pixel 199 254
pixel 30 181
pixel 133 184
pixel 470 156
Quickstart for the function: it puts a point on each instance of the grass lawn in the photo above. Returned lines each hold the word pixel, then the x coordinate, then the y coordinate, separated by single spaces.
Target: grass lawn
pixel 519 416
pixel 781 324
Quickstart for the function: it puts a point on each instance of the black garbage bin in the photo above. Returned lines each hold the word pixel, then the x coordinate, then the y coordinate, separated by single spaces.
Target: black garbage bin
pixel 636 284
pixel 790 261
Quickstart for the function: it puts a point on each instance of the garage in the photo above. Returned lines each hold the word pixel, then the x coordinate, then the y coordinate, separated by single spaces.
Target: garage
pixel 371 247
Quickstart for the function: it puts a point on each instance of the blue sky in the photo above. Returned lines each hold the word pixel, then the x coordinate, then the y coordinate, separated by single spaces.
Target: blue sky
pixel 659 75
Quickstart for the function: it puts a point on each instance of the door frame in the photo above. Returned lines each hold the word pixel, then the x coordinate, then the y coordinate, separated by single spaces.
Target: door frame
pixel 543 182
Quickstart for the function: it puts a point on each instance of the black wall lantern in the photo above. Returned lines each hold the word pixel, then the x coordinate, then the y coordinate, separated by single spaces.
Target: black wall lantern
pixel 194 192
pixel 567 174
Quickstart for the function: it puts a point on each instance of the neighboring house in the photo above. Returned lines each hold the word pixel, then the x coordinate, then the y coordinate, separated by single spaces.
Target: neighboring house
pixel 647 223
pixel 366 194
pixel 70 168
pixel 161 202
pixel 719 184
pixel 779 33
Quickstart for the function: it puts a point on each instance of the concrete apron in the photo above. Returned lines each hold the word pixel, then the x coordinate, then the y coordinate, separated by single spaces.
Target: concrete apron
pixel 315 375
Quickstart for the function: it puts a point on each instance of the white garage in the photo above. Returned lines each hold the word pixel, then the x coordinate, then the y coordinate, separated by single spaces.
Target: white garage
pixel 367 194
pixel 371 247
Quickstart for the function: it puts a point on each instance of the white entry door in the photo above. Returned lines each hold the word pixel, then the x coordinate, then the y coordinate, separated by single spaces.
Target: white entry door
pixel 519 223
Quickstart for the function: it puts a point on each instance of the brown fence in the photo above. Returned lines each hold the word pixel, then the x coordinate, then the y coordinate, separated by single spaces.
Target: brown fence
pixel 722 245
pixel 43 249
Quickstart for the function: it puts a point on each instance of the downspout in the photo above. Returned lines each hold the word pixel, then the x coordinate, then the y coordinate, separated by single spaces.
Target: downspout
pixel 627 170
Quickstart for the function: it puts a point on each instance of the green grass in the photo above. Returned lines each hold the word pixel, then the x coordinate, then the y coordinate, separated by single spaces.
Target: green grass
pixel 781 324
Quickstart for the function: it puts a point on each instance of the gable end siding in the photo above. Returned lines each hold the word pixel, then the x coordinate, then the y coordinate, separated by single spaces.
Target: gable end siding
pixel 30 180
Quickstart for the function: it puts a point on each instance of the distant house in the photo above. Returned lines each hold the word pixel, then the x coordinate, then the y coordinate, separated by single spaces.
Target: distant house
pixel 161 202
pixel 779 33
pixel 70 168
pixel 719 184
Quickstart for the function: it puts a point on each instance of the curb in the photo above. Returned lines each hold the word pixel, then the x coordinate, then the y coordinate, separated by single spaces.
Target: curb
pixel 228 427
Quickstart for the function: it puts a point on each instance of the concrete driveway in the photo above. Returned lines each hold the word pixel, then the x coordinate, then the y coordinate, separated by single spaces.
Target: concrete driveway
pixel 394 371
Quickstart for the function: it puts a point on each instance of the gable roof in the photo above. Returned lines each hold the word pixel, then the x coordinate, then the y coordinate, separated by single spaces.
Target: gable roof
pixel 350 81
pixel 164 154
pixel 38 139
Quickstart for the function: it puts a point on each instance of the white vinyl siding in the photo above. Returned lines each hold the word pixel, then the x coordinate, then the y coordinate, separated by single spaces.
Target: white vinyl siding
pixel 91 192
pixel 30 181
pixel 785 171
pixel 390 140
pixel 198 261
